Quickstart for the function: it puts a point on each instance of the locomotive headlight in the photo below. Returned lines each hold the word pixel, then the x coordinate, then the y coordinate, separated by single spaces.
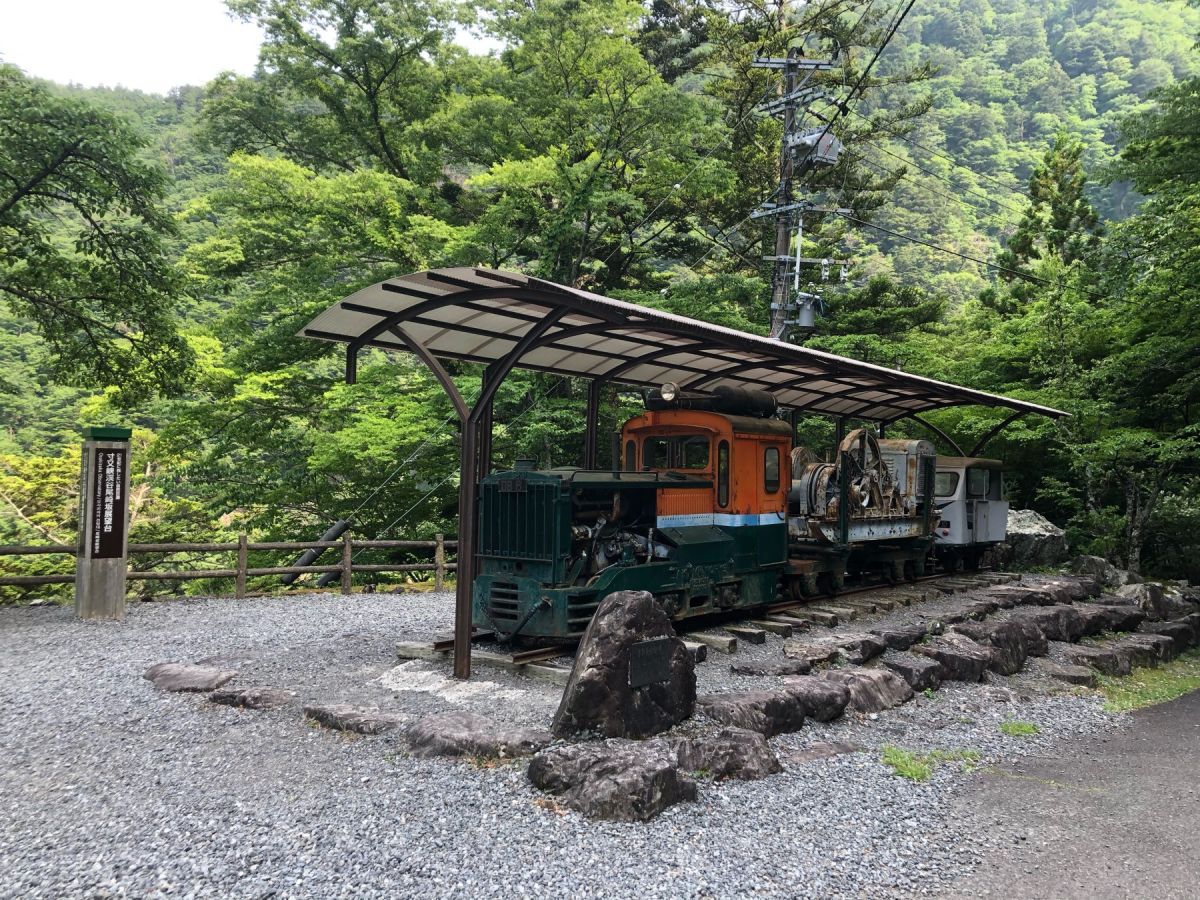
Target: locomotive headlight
pixel 669 391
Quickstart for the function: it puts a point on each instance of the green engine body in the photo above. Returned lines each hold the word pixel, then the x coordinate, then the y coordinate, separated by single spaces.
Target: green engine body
pixel 553 543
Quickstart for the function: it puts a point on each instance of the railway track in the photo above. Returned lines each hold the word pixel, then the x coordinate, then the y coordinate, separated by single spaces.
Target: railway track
pixel 753 626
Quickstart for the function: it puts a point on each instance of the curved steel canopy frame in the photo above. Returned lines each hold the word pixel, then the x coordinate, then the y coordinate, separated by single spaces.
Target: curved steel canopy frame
pixel 504 320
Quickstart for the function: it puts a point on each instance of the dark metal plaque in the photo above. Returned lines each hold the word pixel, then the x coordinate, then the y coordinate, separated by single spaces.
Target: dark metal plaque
pixel 650 662
pixel 108 505
pixel 514 485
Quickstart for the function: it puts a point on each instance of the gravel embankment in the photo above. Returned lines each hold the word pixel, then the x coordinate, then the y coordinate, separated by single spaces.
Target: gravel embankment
pixel 113 789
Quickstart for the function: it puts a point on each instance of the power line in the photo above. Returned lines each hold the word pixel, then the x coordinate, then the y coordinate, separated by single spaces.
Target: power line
pixel 934 174
pixel 905 176
pixel 941 155
pixel 1016 273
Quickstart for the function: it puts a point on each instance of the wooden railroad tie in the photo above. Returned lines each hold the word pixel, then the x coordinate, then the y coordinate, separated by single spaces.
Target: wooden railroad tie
pixel 720 643
pixel 748 634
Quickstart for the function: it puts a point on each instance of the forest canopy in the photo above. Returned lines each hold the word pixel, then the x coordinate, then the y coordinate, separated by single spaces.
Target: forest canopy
pixel 1022 177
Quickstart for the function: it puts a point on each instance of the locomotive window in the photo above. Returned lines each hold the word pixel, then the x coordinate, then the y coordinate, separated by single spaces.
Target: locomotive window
pixel 771 470
pixel 723 473
pixel 688 452
pixel 945 484
pixel 978 482
pixel 693 452
pixel 630 456
pixel 656 453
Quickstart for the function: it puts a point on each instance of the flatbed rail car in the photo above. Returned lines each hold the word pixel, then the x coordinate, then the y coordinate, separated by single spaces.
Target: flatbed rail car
pixel 704 512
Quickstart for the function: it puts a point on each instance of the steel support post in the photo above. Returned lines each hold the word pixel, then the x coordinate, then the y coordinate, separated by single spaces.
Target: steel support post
pixel 592 425
pixel 465 574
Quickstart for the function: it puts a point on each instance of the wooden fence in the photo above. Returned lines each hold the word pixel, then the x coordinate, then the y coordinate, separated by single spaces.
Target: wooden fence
pixel 346 567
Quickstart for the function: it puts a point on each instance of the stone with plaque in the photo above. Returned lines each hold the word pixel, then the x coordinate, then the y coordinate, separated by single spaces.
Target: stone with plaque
pixel 103 524
pixel 632 676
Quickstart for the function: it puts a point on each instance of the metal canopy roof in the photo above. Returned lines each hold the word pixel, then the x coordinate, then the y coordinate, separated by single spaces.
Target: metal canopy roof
pixel 481 315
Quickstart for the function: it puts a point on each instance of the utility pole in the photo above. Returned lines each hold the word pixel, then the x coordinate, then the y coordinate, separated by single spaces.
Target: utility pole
pixel 793 311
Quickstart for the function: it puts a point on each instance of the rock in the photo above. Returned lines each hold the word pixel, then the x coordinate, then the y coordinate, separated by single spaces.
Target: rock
pixel 921 672
pixel 1109 617
pixel 900 637
pixel 1148 649
pixel 1096 566
pixel 967 610
pixel 623 780
pixel 167 676
pixel 823 701
pixel 1064 672
pixel 822 750
pixel 461 733
pixel 1032 540
pixel 599 697
pixel 1147 597
pixel 961 658
pixel 1012 641
pixel 1058 623
pixel 1180 631
pixel 253 698
pixel 360 719
pixel 768 669
pixel 730 753
pixel 872 690
pixel 767 712
pixel 1103 659
pixel 1008 597
pixel 813 654
pixel 853 646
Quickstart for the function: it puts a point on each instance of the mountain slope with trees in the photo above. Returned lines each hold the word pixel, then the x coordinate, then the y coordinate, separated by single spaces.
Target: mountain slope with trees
pixel 613 145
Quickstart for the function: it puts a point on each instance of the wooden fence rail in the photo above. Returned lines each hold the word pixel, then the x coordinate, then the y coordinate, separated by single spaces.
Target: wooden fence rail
pixel 346 567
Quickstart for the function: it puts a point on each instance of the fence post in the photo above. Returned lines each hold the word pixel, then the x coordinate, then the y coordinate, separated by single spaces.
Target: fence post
pixel 243 558
pixel 439 562
pixel 347 561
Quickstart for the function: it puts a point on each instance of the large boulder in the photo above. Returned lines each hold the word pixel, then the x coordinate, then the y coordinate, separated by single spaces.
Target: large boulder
pixel 1058 623
pixel 604 693
pixel 1064 672
pixel 1147 597
pixel 1098 567
pixel 823 701
pixel 872 690
pixel 1180 631
pixel 168 676
pixel 628 781
pixel 1012 641
pixel 461 733
pixel 961 658
pixel 1147 649
pixel 1100 617
pixel 921 672
pixel 900 637
pixel 1031 541
pixel 730 753
pixel 767 712
pixel 1104 659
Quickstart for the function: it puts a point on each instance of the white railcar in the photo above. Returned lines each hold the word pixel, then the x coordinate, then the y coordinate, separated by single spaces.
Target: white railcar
pixel 972 514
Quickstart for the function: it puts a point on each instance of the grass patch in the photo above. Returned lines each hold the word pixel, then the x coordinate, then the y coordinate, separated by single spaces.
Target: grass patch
pixel 920 766
pixel 1147 687
pixel 1018 729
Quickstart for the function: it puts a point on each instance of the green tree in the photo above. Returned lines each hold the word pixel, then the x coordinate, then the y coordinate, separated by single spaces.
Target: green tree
pixel 82 240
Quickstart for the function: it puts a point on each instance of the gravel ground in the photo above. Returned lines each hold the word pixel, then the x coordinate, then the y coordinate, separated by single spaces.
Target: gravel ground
pixel 113 789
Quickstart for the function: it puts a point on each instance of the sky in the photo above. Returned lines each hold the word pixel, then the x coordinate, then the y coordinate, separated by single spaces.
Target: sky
pixel 150 45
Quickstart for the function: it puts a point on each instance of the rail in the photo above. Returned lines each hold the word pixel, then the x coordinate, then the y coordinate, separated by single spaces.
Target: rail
pixel 346 567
